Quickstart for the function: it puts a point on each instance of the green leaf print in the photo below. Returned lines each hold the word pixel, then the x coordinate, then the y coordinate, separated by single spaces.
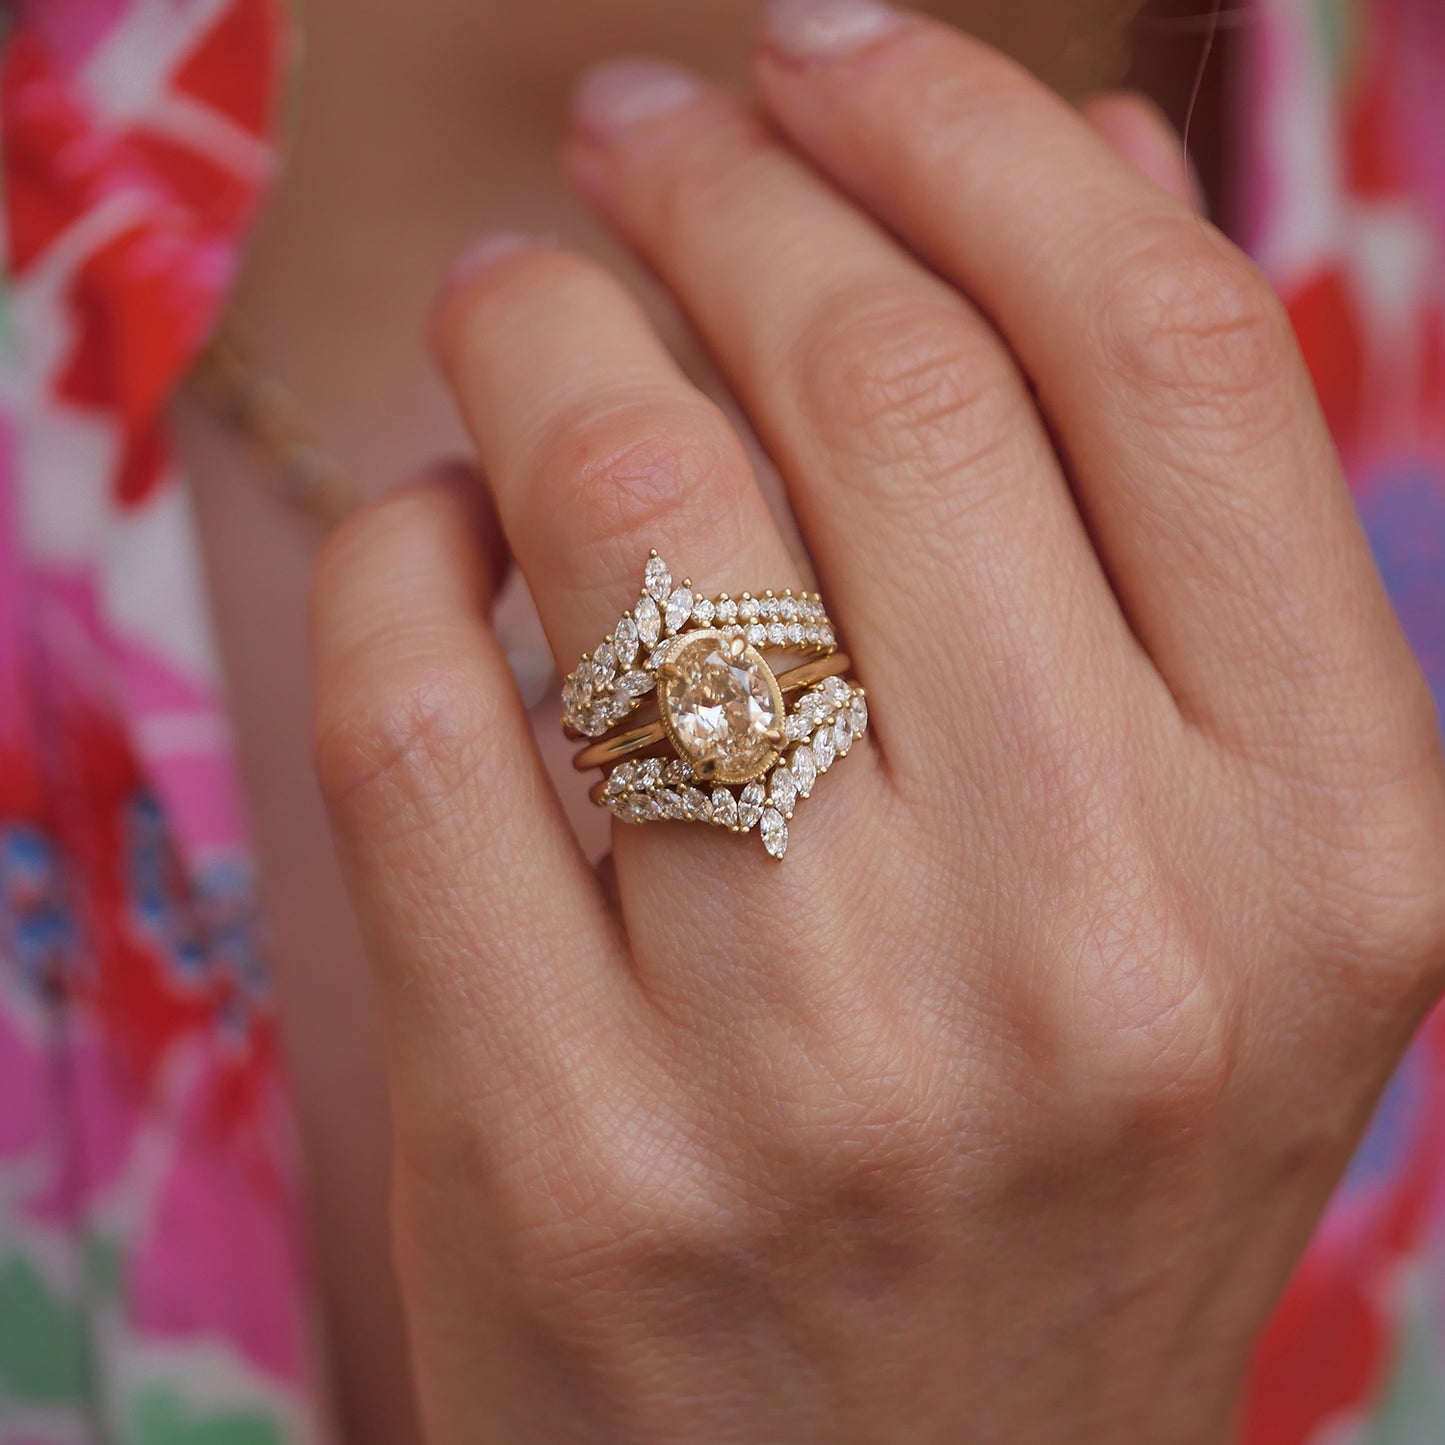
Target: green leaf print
pixel 159 1417
pixel 42 1339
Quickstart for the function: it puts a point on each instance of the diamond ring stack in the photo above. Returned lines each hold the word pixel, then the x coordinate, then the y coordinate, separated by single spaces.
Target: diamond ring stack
pixel 716 710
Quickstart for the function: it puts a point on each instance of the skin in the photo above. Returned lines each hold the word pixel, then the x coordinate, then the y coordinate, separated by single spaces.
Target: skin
pixel 481 95
pixel 1003 1110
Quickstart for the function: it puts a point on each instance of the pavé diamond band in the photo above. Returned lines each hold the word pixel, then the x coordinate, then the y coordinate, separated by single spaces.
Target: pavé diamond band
pixel 719 742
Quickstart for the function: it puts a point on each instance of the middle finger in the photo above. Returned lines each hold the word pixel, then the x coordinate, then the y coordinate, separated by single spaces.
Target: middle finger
pixel 919 468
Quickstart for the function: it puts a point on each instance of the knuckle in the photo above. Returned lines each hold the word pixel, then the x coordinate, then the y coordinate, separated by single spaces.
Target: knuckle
pixel 641 467
pixel 412 733
pixel 715 179
pixel 1145 1034
pixel 1187 313
pixel 902 378
pixel 1382 908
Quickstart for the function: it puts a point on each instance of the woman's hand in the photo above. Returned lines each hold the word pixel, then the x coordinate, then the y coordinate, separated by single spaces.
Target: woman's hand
pixel 1001 1109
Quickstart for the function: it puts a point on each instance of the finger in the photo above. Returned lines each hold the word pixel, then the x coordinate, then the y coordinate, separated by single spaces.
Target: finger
pixel 1142 134
pixel 493 946
pixel 596 447
pixel 917 464
pixel 1208 481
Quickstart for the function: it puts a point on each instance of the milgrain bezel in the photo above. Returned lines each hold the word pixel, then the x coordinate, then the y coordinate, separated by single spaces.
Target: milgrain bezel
pixel 640 785
pixel 749 657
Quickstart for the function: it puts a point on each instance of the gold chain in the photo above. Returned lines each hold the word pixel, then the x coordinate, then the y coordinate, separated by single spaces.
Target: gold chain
pixel 257 405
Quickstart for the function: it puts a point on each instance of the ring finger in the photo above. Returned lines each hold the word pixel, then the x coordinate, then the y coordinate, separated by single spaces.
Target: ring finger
pixel 597 449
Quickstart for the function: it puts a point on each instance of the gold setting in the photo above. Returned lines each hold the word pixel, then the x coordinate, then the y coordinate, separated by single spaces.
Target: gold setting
pixel 721 746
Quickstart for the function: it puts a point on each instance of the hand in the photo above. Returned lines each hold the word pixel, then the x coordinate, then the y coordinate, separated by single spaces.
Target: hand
pixel 1001 1109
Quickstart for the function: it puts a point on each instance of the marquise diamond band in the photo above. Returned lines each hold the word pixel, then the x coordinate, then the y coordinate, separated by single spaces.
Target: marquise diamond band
pixel 728 736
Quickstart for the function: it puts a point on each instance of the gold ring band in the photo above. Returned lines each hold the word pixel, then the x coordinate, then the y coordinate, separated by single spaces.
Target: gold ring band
pixel 622 744
pixel 734 741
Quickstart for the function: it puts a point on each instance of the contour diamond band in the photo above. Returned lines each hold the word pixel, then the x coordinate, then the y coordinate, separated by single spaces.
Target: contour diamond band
pixel 719 744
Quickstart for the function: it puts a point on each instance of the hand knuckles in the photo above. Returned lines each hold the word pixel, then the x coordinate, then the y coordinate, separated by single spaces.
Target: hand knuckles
pixel 639 470
pixel 905 380
pixel 413 731
pixel 1377 918
pixel 1185 314
pixel 1138 1032
pixel 718 175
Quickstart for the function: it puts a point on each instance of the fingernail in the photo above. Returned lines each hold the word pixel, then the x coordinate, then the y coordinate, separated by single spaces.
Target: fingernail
pixel 612 98
pixel 483 254
pixel 817 29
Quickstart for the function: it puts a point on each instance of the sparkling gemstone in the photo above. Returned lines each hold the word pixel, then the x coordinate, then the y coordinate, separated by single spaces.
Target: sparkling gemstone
pixel 768 609
pixel 679 608
pixel 649 773
pixel 777 634
pixel 727 611
pixel 637 808
pixel 757 634
pixel 750 805
pixel 783 791
pixel 842 735
pixel 803 769
pixel 695 806
pixel 703 612
pixel 721 704
pixel 747 609
pixel 790 609
pixel 823 750
pixel 835 690
pixel 619 778
pixel 657 579
pixel 794 633
pixel 797 727
pixel 625 640
pixel 858 714
pixel 635 684
pixel 649 621
pixel 813 708
pixel 724 808
pixel 775 832
pixel 669 803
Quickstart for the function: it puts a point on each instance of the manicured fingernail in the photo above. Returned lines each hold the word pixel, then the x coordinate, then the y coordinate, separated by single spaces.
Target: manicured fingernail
pixel 483 254
pixel 612 98
pixel 817 29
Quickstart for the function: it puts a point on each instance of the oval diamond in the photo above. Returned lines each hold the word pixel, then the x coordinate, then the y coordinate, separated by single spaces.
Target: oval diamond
pixel 722 708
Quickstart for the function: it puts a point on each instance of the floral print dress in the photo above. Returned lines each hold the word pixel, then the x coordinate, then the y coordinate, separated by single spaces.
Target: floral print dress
pixel 153 1275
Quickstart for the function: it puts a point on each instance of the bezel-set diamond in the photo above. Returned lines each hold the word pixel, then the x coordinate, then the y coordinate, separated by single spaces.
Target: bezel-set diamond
pixel 743 759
